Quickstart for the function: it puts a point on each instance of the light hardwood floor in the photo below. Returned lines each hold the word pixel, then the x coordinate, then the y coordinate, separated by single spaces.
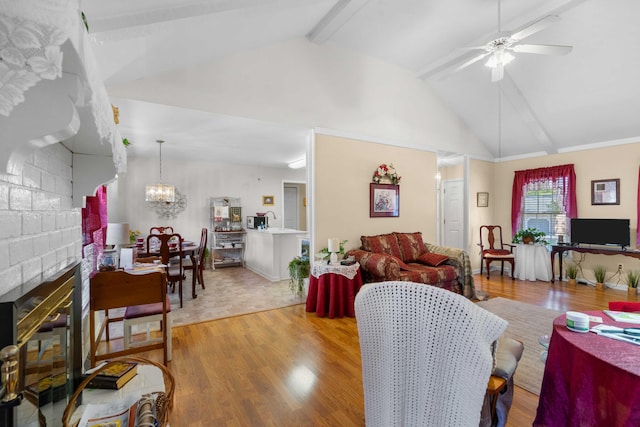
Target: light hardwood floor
pixel 286 367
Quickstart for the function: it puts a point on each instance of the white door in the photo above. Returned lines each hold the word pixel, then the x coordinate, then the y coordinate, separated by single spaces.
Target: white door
pixel 291 214
pixel 453 214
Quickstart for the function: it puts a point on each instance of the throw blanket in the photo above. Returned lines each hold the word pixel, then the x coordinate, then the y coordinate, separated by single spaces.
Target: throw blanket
pixel 461 260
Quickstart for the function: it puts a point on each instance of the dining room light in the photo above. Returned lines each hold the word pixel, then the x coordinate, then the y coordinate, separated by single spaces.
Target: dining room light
pixel 160 192
pixel 298 164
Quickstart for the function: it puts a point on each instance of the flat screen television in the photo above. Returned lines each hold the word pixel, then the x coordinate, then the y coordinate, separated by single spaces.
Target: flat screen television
pixel 599 231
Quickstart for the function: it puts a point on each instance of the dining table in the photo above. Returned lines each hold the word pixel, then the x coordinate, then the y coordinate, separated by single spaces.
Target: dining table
pixel 188 249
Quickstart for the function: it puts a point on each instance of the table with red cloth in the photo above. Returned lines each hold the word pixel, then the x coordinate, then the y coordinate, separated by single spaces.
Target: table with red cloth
pixel 333 289
pixel 589 380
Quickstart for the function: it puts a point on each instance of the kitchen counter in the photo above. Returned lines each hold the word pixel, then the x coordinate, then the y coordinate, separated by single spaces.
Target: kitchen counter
pixel 269 251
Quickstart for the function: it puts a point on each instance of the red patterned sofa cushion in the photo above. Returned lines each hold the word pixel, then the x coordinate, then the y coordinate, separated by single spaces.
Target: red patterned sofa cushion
pixel 382 244
pixel 432 259
pixel 444 276
pixel 411 245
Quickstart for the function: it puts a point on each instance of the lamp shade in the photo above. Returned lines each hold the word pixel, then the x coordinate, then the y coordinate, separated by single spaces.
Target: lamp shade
pixel 117 233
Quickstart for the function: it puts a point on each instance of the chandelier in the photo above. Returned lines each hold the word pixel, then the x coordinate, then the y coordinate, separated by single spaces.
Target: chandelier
pixel 160 192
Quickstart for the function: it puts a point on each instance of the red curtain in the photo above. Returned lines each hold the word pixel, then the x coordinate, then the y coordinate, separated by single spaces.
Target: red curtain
pixel 638 214
pixel 564 180
pixel 94 223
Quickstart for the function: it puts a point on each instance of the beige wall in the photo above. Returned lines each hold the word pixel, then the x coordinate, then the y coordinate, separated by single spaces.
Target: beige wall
pixel 620 161
pixel 481 177
pixel 343 171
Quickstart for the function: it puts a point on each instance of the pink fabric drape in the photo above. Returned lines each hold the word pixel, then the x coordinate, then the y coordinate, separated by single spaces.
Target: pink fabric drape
pixel 638 214
pixel 563 174
pixel 94 222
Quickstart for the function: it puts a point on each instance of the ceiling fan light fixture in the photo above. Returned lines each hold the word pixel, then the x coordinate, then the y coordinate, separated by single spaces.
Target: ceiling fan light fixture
pixel 499 57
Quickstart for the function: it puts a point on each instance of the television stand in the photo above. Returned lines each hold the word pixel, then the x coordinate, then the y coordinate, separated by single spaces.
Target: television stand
pixel 559 249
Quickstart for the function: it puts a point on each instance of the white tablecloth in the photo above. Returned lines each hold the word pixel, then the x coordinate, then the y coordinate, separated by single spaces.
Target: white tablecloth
pixel 532 263
pixel 348 271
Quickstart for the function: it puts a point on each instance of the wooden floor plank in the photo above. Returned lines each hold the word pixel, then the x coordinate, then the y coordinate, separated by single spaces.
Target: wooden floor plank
pixel 286 367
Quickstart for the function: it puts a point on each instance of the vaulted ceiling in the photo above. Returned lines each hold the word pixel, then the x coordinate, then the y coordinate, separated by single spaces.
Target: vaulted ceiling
pixel 544 103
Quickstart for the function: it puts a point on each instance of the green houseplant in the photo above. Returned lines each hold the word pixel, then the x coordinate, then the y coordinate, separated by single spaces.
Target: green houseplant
pixel 599 272
pixel 572 273
pixel 298 271
pixel 529 235
pixel 632 282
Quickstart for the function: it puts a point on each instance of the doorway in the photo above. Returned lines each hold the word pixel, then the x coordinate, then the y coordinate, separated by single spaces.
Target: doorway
pixel 294 213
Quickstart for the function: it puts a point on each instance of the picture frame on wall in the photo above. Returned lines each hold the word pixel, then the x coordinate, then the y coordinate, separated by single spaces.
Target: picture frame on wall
pixel 267 201
pixel 384 200
pixel 605 192
pixel 482 199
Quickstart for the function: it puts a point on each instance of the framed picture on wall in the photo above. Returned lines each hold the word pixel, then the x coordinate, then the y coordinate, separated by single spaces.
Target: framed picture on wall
pixel 384 200
pixel 605 192
pixel 482 200
pixel 267 200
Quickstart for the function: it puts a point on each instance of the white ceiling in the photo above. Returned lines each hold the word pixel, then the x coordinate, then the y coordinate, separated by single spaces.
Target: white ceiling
pixel 548 103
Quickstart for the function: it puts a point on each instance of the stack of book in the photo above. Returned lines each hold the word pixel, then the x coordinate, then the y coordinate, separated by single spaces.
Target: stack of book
pixel 113 377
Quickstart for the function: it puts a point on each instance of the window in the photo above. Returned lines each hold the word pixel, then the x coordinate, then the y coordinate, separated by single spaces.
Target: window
pixel 544 198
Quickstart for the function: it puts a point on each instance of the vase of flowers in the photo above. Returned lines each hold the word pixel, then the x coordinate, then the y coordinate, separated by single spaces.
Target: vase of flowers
pixel 386 174
pixel 133 235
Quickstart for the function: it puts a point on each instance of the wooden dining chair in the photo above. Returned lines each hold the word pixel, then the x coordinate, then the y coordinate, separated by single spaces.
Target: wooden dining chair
pixel 195 263
pixel 171 258
pixel 161 230
pixel 118 289
pixel 493 248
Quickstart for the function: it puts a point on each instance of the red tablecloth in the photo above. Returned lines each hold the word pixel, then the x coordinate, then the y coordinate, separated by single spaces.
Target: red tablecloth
pixel 333 294
pixel 589 380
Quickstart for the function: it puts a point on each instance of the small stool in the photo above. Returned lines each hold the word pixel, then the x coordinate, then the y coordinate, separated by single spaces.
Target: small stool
pixel 147 313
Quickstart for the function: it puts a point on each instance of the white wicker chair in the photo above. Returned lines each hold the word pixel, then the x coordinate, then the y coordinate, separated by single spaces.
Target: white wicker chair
pixel 426 355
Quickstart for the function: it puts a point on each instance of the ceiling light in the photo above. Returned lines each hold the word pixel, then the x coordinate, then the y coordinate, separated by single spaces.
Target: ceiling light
pixel 298 164
pixel 160 192
pixel 499 57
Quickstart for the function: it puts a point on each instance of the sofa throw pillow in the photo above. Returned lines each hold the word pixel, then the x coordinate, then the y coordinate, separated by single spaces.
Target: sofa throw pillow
pixel 382 244
pixel 432 259
pixel 411 246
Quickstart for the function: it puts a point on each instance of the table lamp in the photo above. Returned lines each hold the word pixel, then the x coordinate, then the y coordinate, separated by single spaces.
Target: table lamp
pixel 334 246
pixel 117 235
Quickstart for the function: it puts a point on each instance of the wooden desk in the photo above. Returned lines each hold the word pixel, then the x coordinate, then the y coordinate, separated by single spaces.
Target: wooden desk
pixel 559 249
pixel 589 380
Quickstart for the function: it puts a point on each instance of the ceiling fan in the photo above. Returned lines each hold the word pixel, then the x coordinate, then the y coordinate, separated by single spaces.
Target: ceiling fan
pixel 498 50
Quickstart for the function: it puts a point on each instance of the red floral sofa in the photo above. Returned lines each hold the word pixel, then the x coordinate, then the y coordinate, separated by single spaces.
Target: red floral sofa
pixel 405 256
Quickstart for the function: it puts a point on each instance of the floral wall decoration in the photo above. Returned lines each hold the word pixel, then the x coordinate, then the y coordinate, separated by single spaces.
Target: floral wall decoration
pixel 172 209
pixel 386 174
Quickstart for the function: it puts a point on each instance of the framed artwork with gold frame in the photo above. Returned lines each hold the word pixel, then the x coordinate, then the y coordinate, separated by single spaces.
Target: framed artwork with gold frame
pixel 267 201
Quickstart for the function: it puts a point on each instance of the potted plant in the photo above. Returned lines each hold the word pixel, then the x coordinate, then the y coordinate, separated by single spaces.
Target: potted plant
pixel 599 272
pixel 572 273
pixel 298 271
pixel 529 235
pixel 632 282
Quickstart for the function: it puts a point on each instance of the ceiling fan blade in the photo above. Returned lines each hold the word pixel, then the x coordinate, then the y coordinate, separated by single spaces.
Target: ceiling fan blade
pixel 543 49
pixel 497 73
pixel 470 61
pixel 538 25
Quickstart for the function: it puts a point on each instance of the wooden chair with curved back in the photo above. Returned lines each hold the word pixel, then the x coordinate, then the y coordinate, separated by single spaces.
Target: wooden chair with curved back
pixel 493 248
pixel 161 230
pixel 195 262
pixel 171 258
pixel 116 289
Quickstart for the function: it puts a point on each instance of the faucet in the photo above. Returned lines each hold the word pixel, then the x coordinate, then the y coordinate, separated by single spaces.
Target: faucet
pixel 274 216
